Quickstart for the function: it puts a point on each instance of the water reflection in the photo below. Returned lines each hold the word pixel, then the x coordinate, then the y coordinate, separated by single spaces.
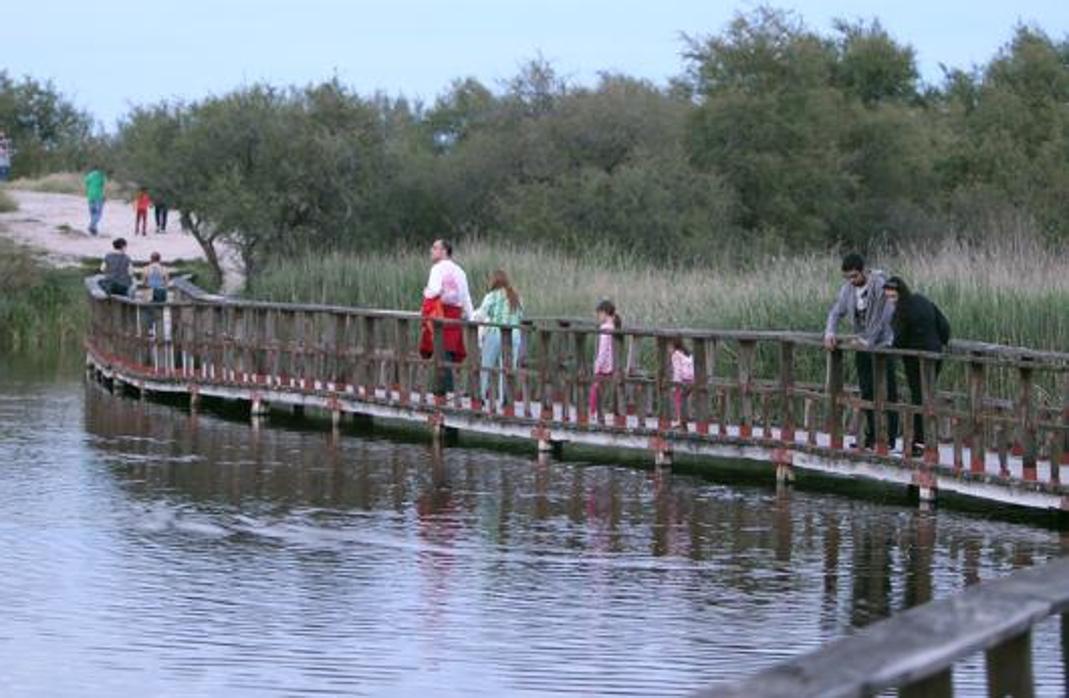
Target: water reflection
pixel 223 558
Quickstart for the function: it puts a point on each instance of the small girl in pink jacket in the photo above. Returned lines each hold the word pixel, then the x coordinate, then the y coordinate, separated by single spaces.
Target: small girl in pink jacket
pixel 608 320
pixel 682 375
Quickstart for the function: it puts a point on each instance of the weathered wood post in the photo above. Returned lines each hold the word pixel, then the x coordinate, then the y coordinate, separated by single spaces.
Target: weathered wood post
pixel 977 389
pixel 367 354
pixel 664 385
pixel 582 379
pixel 474 372
pixel 404 377
pixel 834 390
pixel 1009 667
pixel 879 401
pixel 786 386
pixel 745 380
pixel 930 394
pixel 1026 421
pixel 701 386
pixel 619 382
pixel 508 375
pixel 545 361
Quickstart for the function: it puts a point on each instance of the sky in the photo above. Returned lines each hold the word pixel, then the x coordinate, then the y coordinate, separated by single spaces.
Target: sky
pixel 111 54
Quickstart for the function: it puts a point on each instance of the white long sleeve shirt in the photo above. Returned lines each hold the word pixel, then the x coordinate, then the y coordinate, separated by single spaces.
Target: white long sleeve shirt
pixel 450 282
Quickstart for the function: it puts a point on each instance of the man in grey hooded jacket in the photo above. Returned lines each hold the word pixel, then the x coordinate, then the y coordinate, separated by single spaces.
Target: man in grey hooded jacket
pixel 861 298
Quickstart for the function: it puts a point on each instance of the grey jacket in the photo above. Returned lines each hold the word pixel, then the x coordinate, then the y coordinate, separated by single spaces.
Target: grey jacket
pixel 876 327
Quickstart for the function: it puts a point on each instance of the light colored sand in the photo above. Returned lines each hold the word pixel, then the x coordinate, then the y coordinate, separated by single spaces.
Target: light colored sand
pixel 57 225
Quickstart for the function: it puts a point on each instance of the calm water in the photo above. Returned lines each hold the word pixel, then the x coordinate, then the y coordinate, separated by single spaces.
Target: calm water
pixel 148 552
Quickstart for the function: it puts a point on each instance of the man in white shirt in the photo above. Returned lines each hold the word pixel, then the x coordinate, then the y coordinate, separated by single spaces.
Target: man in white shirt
pixel 448 282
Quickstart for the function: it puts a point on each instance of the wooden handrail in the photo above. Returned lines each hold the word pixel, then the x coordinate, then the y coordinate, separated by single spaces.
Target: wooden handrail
pixel 915 650
pixel 776 390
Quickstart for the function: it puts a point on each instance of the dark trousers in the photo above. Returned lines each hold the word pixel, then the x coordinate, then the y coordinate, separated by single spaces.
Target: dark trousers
pixel 916 396
pixel 444 379
pixel 161 217
pixel 866 381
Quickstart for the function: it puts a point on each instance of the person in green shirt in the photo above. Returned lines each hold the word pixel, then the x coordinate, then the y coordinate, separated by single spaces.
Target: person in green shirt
pixel 95 183
pixel 501 306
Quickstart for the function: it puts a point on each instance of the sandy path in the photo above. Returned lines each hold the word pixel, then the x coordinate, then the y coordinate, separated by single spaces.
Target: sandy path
pixel 56 224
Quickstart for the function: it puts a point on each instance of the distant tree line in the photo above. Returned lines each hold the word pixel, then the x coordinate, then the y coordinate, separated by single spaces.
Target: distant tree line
pixel 775 139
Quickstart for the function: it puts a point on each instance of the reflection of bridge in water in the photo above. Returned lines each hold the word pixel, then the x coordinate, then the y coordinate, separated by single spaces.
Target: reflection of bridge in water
pixel 996 430
pixel 791 560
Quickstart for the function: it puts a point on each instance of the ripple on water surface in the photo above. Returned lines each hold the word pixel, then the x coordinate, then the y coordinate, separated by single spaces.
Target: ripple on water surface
pixel 148 552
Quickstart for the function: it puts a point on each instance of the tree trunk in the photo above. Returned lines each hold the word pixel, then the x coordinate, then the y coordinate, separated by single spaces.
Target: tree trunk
pixel 207 243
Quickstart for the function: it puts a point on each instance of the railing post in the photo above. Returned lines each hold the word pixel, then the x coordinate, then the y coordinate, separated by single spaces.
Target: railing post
pixel 701 386
pixel 619 381
pixel 977 388
pixel 786 382
pixel 545 341
pixel 367 353
pixel 834 397
pixel 1026 422
pixel 1009 667
pixel 745 367
pixel 582 380
pixel 474 357
pixel 508 376
pixel 879 401
pixel 664 385
pixel 931 420
pixel 404 381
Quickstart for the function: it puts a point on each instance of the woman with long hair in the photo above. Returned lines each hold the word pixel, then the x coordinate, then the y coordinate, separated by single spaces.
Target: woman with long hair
pixel 501 306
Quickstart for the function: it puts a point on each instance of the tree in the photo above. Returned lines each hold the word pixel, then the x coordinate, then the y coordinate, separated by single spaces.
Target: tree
pixel 49 132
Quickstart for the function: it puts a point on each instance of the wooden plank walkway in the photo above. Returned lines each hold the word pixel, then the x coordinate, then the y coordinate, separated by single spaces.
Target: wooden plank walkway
pixel 997 428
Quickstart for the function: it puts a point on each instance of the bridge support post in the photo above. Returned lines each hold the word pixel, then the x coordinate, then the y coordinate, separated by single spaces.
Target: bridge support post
pixel 258 408
pixel 784 461
pixel 547 445
pixel 924 481
pixel 662 451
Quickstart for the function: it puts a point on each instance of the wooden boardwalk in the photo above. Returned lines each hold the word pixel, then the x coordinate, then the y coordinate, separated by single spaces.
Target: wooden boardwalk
pixel 997 427
pixel 915 651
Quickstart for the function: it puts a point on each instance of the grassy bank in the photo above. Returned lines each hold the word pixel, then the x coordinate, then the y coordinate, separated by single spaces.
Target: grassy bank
pixel 1015 292
pixel 45 307
pixel 39 306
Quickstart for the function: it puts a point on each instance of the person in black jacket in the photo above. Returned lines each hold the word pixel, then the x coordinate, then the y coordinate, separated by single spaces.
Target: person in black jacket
pixel 917 323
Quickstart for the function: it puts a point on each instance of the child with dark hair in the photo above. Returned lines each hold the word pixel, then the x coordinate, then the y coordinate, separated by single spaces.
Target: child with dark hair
pixel 604 361
pixel 682 375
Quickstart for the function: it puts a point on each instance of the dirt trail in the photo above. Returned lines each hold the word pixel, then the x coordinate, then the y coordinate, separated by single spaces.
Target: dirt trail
pixel 56 224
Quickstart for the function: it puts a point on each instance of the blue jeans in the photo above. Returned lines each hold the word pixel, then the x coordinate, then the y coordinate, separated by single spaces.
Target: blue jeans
pixel 96 210
pixel 491 358
pixel 5 172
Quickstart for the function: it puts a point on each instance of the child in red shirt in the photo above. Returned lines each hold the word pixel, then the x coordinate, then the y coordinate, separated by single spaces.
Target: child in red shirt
pixel 141 204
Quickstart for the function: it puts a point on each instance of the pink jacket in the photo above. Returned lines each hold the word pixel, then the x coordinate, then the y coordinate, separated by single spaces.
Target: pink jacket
pixel 603 362
pixel 682 367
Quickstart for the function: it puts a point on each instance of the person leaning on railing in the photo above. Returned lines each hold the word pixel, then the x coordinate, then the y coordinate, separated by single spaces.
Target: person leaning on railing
pixel 861 298
pixel 116 270
pixel 917 324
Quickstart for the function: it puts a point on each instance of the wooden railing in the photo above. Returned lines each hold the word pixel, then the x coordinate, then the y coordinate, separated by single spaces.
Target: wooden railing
pixel 1000 415
pixel 915 651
